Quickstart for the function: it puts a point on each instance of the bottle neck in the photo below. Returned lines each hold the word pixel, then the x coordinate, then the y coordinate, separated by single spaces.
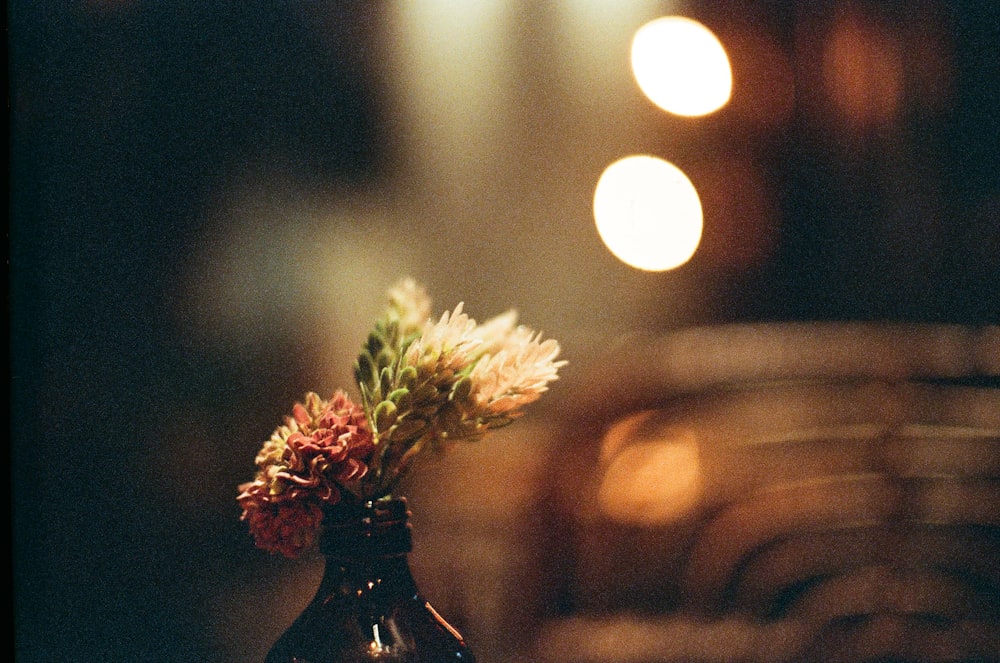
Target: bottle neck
pixel 378 579
pixel 366 531
pixel 366 547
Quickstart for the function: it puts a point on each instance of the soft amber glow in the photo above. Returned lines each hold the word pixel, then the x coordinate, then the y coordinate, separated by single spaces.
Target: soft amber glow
pixel 681 66
pixel 863 72
pixel 653 482
pixel 648 213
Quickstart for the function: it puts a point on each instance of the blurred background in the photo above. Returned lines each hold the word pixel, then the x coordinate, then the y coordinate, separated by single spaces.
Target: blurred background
pixel 209 200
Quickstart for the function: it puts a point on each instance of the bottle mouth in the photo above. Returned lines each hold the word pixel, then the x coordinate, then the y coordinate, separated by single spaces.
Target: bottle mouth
pixel 366 529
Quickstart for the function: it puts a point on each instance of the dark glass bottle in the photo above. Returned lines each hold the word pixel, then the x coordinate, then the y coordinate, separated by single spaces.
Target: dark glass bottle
pixel 368 607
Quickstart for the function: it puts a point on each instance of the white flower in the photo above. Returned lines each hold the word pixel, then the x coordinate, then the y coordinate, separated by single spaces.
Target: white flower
pixel 495 333
pixel 411 304
pixel 446 346
pixel 516 375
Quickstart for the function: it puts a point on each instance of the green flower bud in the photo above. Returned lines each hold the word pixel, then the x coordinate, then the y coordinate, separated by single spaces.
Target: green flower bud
pixel 364 369
pixel 385 380
pixel 401 397
pixel 384 415
pixel 461 390
pixel 407 377
pixel 406 429
pixel 375 343
pixel 385 357
pixel 425 393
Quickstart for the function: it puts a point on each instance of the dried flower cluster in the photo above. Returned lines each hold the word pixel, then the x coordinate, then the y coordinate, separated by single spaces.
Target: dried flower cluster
pixel 423 385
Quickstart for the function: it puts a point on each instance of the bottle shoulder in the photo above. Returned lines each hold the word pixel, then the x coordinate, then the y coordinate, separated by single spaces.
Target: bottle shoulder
pixel 407 630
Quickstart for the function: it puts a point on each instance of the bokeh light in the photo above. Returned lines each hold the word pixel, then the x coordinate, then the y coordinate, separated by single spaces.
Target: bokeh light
pixel 648 213
pixel 681 66
pixel 863 72
pixel 654 482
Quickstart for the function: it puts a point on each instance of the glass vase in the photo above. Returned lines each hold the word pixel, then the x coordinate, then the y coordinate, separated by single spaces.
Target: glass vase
pixel 368 607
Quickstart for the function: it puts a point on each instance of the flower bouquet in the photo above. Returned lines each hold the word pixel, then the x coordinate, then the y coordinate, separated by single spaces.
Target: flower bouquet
pixel 424 384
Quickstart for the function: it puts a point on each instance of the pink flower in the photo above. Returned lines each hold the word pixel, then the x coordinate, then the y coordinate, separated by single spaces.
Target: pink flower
pixel 288 526
pixel 319 451
pixel 327 446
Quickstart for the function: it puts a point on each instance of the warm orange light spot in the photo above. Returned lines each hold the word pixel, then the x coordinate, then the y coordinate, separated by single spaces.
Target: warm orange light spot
pixel 681 66
pixel 651 482
pixel 648 213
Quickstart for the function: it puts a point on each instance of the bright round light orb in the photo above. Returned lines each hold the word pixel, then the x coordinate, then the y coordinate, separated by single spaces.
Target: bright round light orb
pixel 648 213
pixel 681 66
